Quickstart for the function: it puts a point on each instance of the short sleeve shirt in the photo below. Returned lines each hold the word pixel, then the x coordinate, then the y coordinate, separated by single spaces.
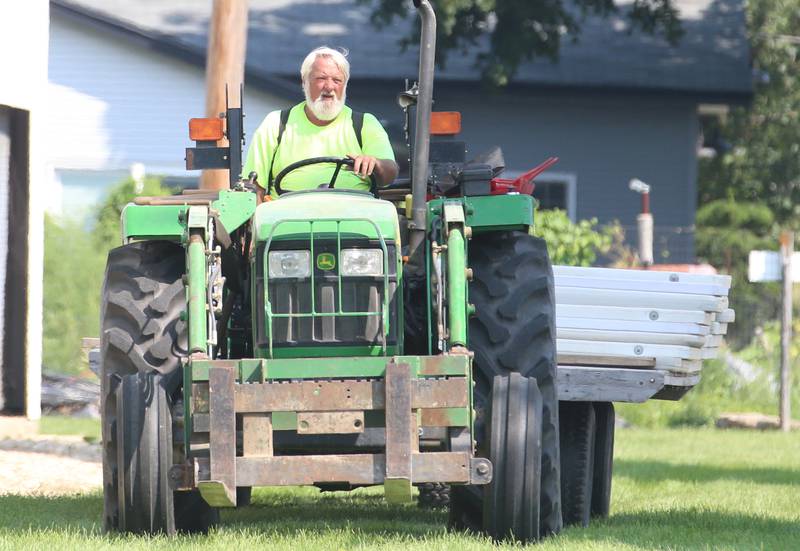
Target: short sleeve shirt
pixel 302 139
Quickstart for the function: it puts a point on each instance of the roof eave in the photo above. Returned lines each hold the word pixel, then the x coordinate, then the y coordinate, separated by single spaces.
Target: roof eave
pixel 166 45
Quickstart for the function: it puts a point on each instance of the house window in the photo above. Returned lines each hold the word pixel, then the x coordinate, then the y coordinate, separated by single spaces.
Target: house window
pixel 554 190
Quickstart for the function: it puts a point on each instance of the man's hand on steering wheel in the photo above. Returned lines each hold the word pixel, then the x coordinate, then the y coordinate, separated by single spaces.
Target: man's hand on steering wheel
pixel 363 165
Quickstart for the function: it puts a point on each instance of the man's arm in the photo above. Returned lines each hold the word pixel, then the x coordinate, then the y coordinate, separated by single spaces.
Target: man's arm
pixel 385 170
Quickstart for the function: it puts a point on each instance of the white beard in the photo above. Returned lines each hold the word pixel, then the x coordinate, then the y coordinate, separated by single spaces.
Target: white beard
pixel 325 109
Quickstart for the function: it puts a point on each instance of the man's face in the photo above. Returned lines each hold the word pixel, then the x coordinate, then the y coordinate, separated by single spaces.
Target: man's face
pixel 325 89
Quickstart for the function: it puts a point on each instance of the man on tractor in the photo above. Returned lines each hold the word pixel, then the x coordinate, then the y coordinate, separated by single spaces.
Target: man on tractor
pixel 320 126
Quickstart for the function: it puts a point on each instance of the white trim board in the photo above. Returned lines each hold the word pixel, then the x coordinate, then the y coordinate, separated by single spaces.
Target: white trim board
pixel 632 337
pixel 633 313
pixel 663 363
pixel 642 275
pixel 672 380
pixel 726 316
pixel 613 297
pixel 565 322
pixel 639 285
pixel 719 328
pixel 607 348
pixel 713 341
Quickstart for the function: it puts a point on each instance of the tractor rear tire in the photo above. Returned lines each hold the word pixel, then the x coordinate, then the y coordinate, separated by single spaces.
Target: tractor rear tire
pixel 513 331
pixel 511 501
pixel 603 458
pixel 577 461
pixel 142 333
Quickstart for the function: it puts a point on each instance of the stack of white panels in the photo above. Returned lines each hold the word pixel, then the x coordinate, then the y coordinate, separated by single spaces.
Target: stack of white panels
pixel 668 321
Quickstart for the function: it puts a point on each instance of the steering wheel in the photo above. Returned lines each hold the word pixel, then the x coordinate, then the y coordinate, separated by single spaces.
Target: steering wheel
pixel 338 161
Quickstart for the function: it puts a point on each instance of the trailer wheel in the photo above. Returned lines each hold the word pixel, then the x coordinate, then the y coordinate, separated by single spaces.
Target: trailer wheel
pixel 244 495
pixel 511 501
pixel 577 461
pixel 513 331
pixel 603 458
pixel 141 332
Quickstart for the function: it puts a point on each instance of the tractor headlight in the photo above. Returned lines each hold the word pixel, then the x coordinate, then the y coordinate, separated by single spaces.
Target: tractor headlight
pixel 361 262
pixel 283 264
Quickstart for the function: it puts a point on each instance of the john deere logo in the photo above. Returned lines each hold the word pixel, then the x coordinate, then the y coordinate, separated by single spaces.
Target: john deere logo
pixel 326 262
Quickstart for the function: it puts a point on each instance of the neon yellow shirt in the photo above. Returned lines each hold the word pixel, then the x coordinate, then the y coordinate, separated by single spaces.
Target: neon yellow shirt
pixel 302 140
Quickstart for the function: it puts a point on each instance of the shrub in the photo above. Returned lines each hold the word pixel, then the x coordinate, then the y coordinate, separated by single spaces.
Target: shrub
pixel 571 244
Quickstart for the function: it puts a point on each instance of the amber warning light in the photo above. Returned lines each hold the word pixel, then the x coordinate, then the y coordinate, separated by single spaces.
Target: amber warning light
pixel 203 130
pixel 445 123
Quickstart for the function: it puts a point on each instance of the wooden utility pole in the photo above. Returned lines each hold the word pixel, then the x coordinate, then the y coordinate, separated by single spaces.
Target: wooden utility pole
pixel 787 250
pixel 227 43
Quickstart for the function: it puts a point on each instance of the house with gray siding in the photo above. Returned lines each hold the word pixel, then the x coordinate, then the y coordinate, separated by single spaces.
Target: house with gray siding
pixel 617 105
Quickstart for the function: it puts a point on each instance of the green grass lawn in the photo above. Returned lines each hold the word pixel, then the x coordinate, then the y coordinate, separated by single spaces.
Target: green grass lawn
pixel 673 489
pixel 64 425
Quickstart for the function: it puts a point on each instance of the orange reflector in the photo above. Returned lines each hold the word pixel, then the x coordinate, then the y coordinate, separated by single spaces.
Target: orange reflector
pixel 444 123
pixel 201 130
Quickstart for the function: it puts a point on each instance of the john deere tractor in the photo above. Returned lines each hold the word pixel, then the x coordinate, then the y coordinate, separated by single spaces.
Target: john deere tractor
pixel 333 338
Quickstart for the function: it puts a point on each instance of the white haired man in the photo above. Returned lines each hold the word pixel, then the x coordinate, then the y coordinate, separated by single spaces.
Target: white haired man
pixel 321 126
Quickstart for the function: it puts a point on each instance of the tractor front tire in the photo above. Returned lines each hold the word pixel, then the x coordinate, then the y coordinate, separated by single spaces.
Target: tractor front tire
pixel 511 501
pixel 143 336
pixel 513 331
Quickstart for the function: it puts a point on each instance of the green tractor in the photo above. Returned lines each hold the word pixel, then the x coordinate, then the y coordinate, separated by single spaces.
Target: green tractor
pixel 333 338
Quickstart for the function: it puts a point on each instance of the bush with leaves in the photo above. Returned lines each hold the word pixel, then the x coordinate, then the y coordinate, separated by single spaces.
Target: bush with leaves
pixel 727 230
pixel 571 244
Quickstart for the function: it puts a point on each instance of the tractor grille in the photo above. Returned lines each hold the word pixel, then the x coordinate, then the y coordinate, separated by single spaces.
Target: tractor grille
pixel 346 311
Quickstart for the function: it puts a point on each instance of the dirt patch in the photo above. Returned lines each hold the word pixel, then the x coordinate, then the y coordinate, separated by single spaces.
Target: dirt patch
pixel 16 426
pixel 32 464
pixel 34 473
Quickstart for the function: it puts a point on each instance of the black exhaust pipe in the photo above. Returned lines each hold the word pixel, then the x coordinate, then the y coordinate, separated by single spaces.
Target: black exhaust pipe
pixel 419 178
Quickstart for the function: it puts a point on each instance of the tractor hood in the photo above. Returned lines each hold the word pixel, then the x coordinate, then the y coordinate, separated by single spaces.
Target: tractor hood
pixel 356 214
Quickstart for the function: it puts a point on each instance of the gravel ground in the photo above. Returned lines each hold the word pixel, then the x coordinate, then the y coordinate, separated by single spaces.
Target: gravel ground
pixel 32 464
pixel 34 473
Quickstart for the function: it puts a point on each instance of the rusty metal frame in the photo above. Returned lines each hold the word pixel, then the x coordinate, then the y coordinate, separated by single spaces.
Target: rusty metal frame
pixel 318 395
pixel 291 470
pixel 220 487
pixel 399 427
pixel 328 407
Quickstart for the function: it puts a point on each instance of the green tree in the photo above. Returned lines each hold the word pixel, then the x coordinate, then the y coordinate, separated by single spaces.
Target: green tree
pixel 571 244
pixel 520 30
pixel 727 230
pixel 73 272
pixel 74 264
pixel 107 226
pixel 761 158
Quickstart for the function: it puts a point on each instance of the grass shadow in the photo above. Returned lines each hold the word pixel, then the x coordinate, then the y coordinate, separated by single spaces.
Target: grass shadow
pixel 290 512
pixel 652 471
